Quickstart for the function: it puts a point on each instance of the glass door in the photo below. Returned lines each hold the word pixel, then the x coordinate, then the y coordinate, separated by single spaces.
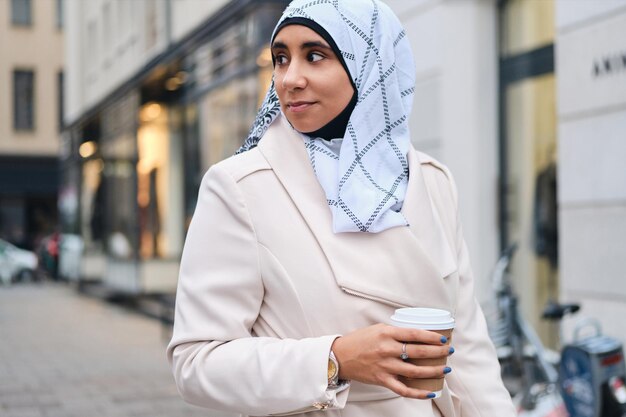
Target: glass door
pixel 528 154
pixel 531 201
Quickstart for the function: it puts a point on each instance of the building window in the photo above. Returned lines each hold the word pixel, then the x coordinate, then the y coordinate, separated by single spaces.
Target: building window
pixel 59 13
pixel 151 28
pixel 91 45
pixel 60 95
pixel 21 12
pixel 108 35
pixel 23 100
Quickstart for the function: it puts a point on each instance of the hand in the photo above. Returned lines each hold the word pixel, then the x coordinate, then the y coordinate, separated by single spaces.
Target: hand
pixel 372 355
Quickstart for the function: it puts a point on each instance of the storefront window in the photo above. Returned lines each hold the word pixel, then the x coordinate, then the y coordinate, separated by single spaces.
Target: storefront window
pixel 192 175
pixel 232 71
pixel 228 113
pixel 68 202
pixel 13 220
pixel 159 181
pixel 92 205
pixel 119 153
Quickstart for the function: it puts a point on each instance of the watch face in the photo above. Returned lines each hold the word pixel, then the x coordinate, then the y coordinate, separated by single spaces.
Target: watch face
pixel 332 369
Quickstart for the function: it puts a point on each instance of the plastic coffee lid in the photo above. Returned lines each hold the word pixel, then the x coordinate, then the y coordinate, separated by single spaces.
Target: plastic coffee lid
pixel 423 318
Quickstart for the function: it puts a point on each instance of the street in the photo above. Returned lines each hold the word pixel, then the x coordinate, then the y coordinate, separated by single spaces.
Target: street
pixel 63 354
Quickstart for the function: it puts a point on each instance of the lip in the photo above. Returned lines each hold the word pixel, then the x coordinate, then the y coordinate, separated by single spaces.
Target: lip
pixel 299 106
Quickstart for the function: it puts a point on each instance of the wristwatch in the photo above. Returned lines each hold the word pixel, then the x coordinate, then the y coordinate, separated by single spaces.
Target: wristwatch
pixel 333 371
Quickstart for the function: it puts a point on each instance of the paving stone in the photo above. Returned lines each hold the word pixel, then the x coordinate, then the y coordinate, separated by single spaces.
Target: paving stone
pixel 17 400
pixel 64 354
pixel 23 412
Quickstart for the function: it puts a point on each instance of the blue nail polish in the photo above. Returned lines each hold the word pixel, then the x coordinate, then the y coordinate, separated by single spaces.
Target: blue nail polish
pixel 447 370
pixel 451 350
pixel 431 395
pixel 444 339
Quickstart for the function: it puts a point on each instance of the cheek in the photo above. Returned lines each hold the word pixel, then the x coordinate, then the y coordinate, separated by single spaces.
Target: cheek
pixel 339 89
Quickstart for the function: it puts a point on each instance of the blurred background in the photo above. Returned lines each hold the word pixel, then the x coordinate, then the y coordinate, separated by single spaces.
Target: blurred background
pixel 112 110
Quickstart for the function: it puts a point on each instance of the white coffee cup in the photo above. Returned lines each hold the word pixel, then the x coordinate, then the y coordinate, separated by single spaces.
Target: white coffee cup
pixel 440 321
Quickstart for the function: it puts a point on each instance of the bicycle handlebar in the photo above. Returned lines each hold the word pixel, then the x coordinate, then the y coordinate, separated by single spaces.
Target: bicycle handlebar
pixel 497 276
pixel 509 251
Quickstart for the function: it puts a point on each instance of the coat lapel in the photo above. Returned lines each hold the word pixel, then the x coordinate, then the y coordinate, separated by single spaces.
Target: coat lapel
pixel 402 266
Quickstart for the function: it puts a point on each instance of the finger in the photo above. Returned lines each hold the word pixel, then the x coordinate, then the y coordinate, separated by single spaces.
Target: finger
pixel 418 336
pixel 420 351
pixel 412 371
pixel 399 388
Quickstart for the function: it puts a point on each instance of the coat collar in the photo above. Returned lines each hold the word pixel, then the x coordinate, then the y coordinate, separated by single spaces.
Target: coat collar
pixel 409 262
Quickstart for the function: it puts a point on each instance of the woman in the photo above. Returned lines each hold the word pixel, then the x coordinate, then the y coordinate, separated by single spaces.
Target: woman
pixel 301 247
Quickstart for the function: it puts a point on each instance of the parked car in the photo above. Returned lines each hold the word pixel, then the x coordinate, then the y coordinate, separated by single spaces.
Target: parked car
pixel 16 264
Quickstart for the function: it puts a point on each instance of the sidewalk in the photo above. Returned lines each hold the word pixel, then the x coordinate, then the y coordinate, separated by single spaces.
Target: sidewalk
pixel 67 355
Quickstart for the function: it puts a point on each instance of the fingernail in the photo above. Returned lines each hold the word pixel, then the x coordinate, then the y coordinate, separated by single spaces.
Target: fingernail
pixel 451 350
pixel 431 395
pixel 444 339
pixel 447 370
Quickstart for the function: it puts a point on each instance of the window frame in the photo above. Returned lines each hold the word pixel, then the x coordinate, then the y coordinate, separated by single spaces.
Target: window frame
pixel 61 98
pixel 27 19
pixel 59 9
pixel 30 125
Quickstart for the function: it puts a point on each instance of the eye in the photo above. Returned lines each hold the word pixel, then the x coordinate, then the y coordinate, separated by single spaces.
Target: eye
pixel 314 57
pixel 280 59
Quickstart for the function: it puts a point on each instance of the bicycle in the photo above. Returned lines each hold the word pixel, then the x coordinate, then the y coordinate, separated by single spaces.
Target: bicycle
pixel 585 379
pixel 529 370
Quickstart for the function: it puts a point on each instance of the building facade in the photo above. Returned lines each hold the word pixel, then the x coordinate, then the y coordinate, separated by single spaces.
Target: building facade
pixel 158 90
pixel 31 71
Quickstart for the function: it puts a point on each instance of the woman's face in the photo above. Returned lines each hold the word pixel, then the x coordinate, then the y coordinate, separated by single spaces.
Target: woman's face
pixel 312 85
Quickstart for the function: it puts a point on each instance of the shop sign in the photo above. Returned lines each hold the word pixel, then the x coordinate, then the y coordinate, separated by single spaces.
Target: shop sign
pixel 609 65
pixel 591 67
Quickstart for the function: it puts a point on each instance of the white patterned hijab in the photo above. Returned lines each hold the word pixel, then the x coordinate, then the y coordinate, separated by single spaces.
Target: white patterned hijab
pixel 366 183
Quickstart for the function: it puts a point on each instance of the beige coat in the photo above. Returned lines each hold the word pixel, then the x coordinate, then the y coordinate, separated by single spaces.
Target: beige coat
pixel 265 287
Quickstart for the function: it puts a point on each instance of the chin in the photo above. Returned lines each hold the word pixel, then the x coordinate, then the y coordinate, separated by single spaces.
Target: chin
pixel 302 126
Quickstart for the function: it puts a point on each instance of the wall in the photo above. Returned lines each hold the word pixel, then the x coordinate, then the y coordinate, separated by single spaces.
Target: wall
pixel 591 73
pixel 188 14
pixel 455 109
pixel 38 47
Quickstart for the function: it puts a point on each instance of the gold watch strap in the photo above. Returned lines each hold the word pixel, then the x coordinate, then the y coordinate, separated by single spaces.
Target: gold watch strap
pixel 333 370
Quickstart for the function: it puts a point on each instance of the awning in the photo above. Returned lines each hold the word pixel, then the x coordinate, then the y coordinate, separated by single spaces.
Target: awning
pixel 21 175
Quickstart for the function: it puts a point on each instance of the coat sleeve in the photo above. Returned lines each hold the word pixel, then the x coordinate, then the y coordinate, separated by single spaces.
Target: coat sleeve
pixel 475 379
pixel 217 361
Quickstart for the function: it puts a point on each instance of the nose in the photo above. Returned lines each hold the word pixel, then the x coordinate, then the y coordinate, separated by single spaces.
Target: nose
pixel 294 77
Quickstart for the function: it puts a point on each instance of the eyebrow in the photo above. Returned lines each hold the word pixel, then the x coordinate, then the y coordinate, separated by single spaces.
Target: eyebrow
pixel 305 45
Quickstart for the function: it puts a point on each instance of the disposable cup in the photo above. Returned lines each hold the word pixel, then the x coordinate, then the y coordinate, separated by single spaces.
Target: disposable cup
pixel 436 320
